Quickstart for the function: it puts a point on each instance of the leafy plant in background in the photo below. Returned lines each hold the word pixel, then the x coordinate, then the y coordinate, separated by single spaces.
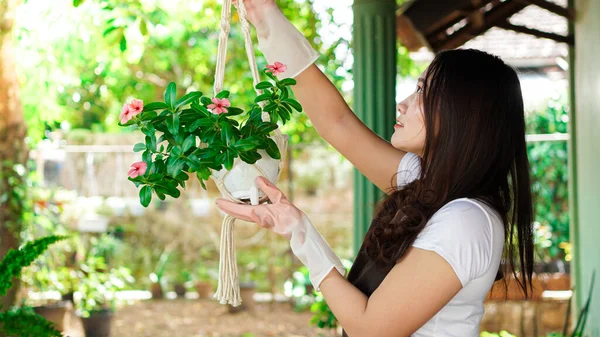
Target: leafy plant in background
pixel 24 322
pixel 157 276
pixel 549 178
pixel 300 289
pixel 174 127
pixel 98 286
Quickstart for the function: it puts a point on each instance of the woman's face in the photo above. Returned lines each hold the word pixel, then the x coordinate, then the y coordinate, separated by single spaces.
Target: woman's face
pixel 409 134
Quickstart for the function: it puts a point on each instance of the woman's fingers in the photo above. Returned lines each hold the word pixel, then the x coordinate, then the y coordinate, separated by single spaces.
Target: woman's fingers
pixel 271 191
pixel 243 212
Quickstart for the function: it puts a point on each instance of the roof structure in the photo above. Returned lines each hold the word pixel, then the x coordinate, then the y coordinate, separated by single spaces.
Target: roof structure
pixel 525 33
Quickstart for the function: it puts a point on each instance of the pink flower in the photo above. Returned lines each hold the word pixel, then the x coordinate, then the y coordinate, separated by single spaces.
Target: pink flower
pixel 219 106
pixel 131 109
pixel 276 68
pixel 137 169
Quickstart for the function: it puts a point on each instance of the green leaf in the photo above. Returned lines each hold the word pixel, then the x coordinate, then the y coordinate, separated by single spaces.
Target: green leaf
pixel 285 93
pixel 227 133
pixel 267 127
pixel 139 147
pixel 206 153
pixel 145 196
pixel 176 152
pixel 264 85
pixel 77 3
pixel 109 29
pixel 287 82
pixel 147 115
pixel 270 107
pixel 189 142
pixel 171 95
pixel 234 111
pixel 247 144
pixel 200 109
pixel 173 124
pixel 144 28
pixel 203 173
pixel 194 125
pixel 250 157
pixel 229 158
pixel 175 168
pixel 155 106
pixel 272 149
pixel 223 94
pixel 205 100
pixel 263 97
pixel 123 43
pixel 187 99
pixel 295 104
pixel 147 157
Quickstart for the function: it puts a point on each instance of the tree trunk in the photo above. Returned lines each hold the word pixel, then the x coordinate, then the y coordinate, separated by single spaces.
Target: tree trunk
pixel 12 140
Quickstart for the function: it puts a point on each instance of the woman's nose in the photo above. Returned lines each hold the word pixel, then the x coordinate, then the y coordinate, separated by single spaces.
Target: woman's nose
pixel 401 108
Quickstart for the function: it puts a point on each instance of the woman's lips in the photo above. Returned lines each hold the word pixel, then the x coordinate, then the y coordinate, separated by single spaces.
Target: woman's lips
pixel 399 124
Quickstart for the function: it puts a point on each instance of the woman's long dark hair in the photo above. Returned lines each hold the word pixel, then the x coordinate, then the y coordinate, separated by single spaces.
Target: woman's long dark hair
pixel 474 148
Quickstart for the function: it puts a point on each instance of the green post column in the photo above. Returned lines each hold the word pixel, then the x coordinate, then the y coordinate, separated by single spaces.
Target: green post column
pixel 374 91
pixel 585 154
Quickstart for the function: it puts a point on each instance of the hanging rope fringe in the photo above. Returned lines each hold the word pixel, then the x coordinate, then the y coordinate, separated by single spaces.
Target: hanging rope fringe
pixel 228 290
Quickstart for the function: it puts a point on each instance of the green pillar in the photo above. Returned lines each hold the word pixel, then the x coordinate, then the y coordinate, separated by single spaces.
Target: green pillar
pixel 585 157
pixel 374 91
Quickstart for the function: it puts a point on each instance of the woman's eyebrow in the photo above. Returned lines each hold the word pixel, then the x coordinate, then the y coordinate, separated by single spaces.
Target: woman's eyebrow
pixel 421 80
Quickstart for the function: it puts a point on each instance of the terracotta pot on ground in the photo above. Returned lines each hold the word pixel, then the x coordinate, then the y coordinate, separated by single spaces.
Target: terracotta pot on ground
pixel 512 291
pixel 98 324
pixel 204 290
pixel 247 291
pixel 157 291
pixel 180 290
pixel 558 281
pixel 54 313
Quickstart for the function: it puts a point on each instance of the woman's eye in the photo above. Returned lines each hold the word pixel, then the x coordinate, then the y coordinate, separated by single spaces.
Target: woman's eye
pixel 419 90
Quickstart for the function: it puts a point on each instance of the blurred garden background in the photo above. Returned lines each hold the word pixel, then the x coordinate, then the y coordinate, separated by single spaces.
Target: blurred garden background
pixel 76 62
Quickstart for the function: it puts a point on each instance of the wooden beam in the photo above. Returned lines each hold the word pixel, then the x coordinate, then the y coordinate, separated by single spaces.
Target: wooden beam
pixel 438 32
pixel 538 33
pixel 552 7
pixel 496 15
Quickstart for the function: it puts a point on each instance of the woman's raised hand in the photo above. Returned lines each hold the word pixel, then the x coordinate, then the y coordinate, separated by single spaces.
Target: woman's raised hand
pixel 257 10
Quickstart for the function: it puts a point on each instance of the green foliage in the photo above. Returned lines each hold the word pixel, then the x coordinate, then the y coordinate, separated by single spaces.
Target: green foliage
pixel 77 72
pixel 323 316
pixel 184 136
pixel 14 200
pixel 549 179
pixel 502 333
pixel 15 260
pixel 24 322
pixel 98 285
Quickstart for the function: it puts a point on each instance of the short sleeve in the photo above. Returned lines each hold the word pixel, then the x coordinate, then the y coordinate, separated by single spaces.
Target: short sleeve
pixel 461 233
pixel 409 169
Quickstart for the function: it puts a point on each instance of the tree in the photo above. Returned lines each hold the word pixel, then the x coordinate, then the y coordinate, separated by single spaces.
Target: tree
pixel 13 150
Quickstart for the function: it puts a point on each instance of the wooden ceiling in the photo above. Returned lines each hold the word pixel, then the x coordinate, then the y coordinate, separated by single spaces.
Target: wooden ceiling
pixel 448 24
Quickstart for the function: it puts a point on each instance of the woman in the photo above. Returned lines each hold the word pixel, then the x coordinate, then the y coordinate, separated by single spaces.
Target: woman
pixel 457 177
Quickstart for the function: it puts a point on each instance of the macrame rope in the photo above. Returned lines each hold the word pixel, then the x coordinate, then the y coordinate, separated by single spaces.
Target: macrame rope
pixel 228 290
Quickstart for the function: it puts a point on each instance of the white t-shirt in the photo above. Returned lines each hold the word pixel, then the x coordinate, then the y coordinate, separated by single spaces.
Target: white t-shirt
pixel 469 235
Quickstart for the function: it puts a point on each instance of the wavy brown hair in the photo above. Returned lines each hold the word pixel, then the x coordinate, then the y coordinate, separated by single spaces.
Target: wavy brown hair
pixel 474 103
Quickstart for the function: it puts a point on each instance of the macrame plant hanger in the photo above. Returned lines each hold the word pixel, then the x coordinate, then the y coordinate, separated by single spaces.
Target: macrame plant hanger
pixel 228 290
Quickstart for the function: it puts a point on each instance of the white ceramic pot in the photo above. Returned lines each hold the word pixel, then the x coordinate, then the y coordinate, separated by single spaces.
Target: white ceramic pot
pixel 240 180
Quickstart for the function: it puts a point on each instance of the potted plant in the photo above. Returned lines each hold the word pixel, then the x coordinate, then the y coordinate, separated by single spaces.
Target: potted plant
pixel 44 280
pixel 204 278
pixel 157 276
pixel 181 281
pixel 96 295
pixel 205 136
